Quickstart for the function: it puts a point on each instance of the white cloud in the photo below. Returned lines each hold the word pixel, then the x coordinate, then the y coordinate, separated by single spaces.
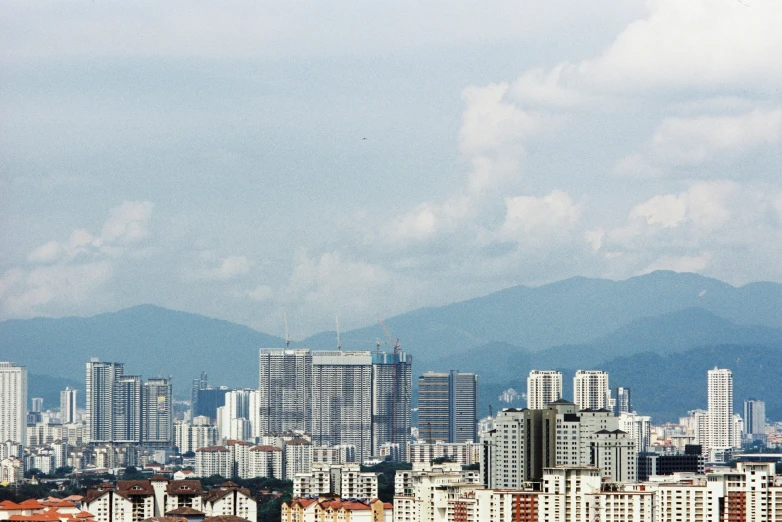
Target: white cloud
pixel 528 215
pixel 706 204
pixel 70 273
pixel 230 267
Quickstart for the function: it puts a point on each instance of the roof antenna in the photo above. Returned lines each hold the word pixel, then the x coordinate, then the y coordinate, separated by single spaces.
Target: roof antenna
pixel 336 322
pixel 287 336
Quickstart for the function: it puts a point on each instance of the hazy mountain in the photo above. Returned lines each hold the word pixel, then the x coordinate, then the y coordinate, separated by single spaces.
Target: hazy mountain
pixel 575 311
pixel 150 340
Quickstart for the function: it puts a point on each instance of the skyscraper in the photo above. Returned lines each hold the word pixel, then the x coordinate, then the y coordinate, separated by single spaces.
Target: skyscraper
pixel 543 388
pixel 157 412
pixel 392 392
pixel 13 403
pixel 36 404
pixel 285 385
pixel 590 390
pixel 448 407
pixel 68 405
pixel 720 399
pixel 755 419
pixel 127 409
pixel 342 400
pixel 100 380
pixel 623 402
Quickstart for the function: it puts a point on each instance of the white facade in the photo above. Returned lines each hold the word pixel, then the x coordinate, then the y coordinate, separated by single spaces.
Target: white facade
pixel 266 461
pixel 464 453
pixel 188 437
pixel 213 460
pixel 543 387
pixel 13 403
pixel 590 390
pixel 721 428
pixel 285 386
pixel 68 410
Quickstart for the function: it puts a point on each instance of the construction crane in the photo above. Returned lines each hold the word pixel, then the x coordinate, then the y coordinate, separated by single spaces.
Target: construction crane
pixel 396 375
pixel 287 336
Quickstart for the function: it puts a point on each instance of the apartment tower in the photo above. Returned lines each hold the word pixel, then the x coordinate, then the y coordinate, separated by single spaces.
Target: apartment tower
pixel 590 390
pixel 68 405
pixel 13 403
pixel 720 400
pixel 448 407
pixel 543 388
pixel 285 385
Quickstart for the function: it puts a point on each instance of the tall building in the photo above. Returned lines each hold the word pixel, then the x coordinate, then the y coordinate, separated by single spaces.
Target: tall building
pixel 100 380
pixel 127 409
pixel 720 400
pixel 13 403
pixel 755 419
pixel 285 385
pixel 198 384
pixel 590 390
pixel 623 402
pixel 36 404
pixel 392 393
pixel 68 405
pixel 157 407
pixel 448 407
pixel 543 387
pixel 342 400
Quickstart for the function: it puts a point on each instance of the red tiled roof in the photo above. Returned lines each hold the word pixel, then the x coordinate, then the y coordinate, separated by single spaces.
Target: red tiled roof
pixel 184 487
pixel 184 510
pixel 265 448
pixel 8 505
pixel 211 449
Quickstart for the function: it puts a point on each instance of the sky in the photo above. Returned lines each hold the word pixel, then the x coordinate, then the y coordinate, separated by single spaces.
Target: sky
pixel 244 159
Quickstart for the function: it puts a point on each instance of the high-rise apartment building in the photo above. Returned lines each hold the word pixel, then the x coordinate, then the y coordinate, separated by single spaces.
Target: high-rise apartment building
pixel 590 390
pixel 720 399
pixel 342 400
pixel 68 405
pixel 448 407
pixel 392 394
pixel 127 409
pixel 157 406
pixel 755 419
pixel 285 385
pixel 36 404
pixel 543 388
pixel 100 380
pixel 623 402
pixel 13 403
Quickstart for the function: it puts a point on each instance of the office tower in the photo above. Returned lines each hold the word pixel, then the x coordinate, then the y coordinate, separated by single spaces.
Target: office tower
pixel 623 402
pixel 448 407
pixel 36 404
pixel 720 399
pixel 208 401
pixel 590 390
pixel 68 405
pixel 13 403
pixel 392 392
pixel 285 385
pixel 100 380
pixel 543 387
pixel 342 400
pixel 198 384
pixel 127 409
pixel 755 419
pixel 157 407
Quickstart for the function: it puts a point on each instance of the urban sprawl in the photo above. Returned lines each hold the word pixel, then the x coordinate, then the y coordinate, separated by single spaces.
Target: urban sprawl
pixel 332 427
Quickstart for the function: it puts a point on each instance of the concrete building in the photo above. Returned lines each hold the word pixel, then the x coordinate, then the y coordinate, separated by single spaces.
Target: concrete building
pixel 298 457
pixel 721 439
pixel 464 453
pixel 285 385
pixel 127 409
pixel 590 390
pixel 638 426
pixel 100 380
pixel 623 404
pixel 157 412
pixel 336 509
pixel 213 460
pixel 13 403
pixel 543 387
pixel 392 395
pixel 344 480
pixel 448 407
pixel 266 461
pixel 755 420
pixel 230 500
pixel 68 411
pixel 189 437
pixel 524 442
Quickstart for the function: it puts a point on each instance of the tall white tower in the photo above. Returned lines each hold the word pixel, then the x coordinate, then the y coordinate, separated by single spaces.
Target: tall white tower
pixel 720 437
pixel 543 387
pixel 13 403
pixel 68 405
pixel 100 380
pixel 590 390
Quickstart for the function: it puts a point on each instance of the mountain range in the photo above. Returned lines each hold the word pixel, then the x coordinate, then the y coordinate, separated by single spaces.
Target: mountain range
pixel 656 333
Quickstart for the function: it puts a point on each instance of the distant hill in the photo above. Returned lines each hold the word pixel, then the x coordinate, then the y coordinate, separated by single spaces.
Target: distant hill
pixel 575 311
pixel 571 324
pixel 150 340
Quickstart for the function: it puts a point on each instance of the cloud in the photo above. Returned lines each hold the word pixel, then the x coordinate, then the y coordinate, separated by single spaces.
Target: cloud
pixel 696 140
pixel 706 204
pixel 527 216
pixel 230 267
pixel 71 273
